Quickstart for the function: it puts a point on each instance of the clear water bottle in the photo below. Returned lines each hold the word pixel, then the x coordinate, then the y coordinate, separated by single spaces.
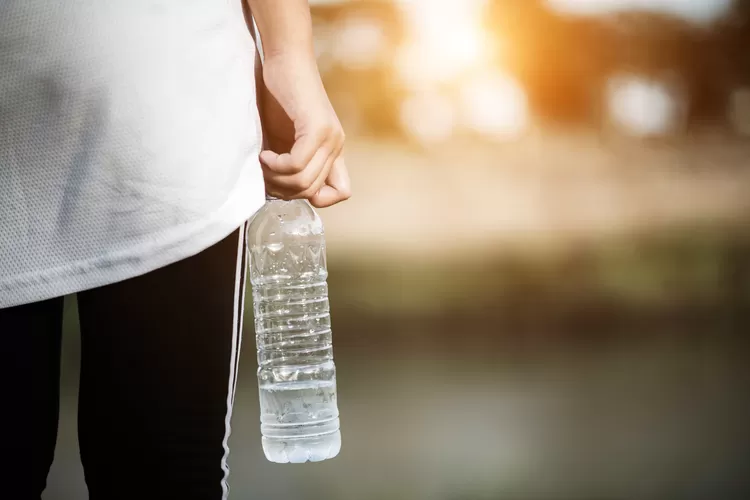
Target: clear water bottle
pixel 296 374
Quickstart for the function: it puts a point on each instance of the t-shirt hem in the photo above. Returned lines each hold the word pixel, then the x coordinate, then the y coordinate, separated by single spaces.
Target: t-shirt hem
pixel 162 249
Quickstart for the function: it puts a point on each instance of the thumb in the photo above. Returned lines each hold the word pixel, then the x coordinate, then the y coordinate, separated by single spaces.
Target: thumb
pixel 337 187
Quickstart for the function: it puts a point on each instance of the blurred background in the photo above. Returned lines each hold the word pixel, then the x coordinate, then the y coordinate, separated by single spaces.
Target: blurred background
pixel 541 289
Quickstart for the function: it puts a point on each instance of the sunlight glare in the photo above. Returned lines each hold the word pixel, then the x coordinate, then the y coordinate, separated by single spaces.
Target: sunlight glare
pixel 643 107
pixel 496 105
pixel 446 39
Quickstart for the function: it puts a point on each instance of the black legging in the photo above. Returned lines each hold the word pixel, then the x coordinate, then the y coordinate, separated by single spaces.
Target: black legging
pixel 158 372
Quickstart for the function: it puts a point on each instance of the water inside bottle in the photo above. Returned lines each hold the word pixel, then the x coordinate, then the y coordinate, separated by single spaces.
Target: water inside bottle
pixel 299 421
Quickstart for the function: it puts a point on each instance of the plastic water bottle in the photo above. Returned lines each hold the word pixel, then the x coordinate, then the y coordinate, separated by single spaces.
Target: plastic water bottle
pixel 296 375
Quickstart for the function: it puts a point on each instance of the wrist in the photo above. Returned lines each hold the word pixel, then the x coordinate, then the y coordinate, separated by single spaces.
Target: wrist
pixel 292 70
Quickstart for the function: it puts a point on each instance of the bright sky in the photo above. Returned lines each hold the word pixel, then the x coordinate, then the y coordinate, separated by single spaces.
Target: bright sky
pixel 694 10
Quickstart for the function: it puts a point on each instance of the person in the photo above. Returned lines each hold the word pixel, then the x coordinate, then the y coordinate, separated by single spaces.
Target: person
pixel 132 156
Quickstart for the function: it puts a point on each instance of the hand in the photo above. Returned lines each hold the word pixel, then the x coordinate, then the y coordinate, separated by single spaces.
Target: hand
pixel 303 134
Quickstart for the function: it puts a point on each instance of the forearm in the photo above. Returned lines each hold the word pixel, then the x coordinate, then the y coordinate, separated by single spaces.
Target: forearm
pixel 302 154
pixel 285 27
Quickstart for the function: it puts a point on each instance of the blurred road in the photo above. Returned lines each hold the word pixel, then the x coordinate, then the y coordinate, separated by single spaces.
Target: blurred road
pixel 660 416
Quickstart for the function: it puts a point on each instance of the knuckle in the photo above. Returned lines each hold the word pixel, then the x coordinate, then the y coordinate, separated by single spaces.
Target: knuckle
pixel 337 136
pixel 322 132
pixel 326 130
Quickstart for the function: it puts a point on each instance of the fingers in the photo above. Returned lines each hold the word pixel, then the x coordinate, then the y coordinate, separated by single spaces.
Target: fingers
pixel 304 184
pixel 337 187
pixel 303 172
pixel 332 187
pixel 301 155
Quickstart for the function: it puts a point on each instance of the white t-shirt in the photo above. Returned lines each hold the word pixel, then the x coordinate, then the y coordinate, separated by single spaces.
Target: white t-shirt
pixel 129 138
